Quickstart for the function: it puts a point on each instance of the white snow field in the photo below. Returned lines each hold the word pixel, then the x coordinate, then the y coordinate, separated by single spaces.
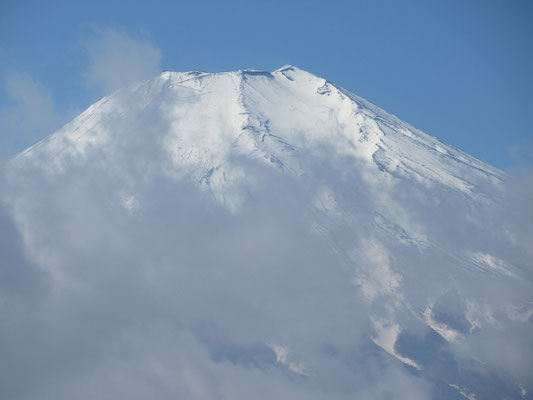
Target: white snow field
pixel 260 235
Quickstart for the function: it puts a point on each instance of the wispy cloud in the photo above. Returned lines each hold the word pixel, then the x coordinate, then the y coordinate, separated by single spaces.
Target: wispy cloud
pixel 117 58
pixel 31 115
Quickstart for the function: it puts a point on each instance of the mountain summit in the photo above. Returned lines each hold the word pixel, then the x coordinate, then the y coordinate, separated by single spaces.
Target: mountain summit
pixel 200 121
pixel 269 235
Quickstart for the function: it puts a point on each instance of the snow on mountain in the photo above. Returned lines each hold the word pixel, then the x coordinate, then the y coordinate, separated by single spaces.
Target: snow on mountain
pixel 274 219
pixel 276 117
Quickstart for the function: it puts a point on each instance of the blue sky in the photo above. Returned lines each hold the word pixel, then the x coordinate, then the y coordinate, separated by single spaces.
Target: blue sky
pixel 460 70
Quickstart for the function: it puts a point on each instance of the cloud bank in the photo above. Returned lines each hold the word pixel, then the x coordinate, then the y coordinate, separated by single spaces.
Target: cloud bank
pixel 178 296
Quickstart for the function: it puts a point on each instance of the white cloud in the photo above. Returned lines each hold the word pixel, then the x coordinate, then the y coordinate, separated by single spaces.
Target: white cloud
pixel 117 59
pixel 32 115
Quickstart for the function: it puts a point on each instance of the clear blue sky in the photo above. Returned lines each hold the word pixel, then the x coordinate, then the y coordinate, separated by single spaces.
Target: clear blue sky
pixel 460 70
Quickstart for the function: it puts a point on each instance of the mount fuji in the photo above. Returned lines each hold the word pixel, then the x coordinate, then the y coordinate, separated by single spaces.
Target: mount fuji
pixel 253 234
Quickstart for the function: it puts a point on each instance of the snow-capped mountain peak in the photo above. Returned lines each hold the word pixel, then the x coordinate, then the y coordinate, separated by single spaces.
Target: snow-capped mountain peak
pixel 276 226
pixel 278 118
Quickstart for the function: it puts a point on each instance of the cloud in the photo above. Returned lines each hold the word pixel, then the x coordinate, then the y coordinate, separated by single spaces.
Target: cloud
pixel 184 298
pixel 31 116
pixel 117 59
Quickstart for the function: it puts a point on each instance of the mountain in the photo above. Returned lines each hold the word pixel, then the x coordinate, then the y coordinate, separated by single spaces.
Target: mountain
pixel 205 119
pixel 253 234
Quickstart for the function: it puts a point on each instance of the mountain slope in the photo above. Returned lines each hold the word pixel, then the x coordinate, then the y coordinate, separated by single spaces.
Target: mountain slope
pixel 278 231
pixel 204 119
